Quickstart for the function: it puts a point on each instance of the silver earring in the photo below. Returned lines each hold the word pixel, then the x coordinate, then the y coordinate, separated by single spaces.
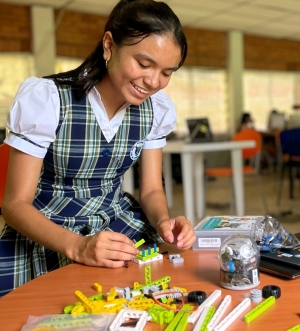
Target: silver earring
pixel 106 63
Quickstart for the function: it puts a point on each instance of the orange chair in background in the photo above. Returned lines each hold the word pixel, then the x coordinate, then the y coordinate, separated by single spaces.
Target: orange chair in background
pixel 4 157
pixel 251 157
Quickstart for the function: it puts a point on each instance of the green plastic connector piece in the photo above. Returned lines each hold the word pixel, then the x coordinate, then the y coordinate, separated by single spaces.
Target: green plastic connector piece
pixel 252 314
pixel 148 255
pixel 63 318
pixel 184 319
pixel 96 297
pixel 68 323
pixel 160 315
pixel 183 322
pixel 208 317
pixel 175 321
pixel 139 243
pixel 148 275
pixel 295 328
pixel 158 282
pixel 68 309
pixel 164 299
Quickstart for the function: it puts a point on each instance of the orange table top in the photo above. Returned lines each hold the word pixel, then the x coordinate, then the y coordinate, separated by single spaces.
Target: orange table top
pixel 49 294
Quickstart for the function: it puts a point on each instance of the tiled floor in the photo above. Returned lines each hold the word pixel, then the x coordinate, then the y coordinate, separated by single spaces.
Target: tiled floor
pixel 219 193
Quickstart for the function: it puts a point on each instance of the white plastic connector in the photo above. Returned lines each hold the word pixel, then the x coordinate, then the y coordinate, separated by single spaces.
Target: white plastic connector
pixel 177 260
pixel 173 256
pixel 126 314
pixel 219 313
pixel 232 316
pixel 208 302
pixel 155 258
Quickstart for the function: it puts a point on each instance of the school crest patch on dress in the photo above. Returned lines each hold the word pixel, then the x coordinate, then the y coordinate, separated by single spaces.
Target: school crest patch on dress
pixel 136 149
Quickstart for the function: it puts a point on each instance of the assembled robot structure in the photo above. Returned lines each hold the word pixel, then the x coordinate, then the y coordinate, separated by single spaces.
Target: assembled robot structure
pixel 239 259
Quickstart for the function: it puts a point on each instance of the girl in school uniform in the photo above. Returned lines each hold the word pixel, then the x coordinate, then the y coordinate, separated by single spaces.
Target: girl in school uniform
pixel 74 135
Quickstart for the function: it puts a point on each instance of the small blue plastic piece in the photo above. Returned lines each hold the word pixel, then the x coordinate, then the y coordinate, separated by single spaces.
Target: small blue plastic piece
pixel 231 266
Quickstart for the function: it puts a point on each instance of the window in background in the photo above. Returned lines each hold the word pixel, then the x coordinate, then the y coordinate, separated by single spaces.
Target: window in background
pixel 267 91
pixel 199 92
pixel 65 64
pixel 14 68
pixel 196 92
pixel 179 90
pixel 210 97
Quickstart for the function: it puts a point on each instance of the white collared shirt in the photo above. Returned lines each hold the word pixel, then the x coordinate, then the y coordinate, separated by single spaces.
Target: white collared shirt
pixel 35 114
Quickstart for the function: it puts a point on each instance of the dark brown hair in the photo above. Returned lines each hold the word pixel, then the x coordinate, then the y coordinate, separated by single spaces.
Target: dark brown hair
pixel 128 20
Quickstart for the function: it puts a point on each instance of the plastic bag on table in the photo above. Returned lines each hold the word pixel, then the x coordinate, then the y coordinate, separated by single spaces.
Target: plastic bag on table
pixel 270 235
pixel 63 322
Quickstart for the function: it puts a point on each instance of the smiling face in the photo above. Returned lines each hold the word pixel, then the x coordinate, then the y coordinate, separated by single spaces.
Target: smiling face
pixel 137 71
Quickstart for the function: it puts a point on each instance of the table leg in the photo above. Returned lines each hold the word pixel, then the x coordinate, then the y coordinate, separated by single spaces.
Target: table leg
pixel 200 185
pixel 167 171
pixel 238 181
pixel 188 187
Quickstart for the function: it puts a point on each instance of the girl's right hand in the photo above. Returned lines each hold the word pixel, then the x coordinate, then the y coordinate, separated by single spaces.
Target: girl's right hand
pixel 105 249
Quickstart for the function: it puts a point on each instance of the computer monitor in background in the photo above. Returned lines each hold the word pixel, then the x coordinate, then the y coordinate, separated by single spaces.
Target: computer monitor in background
pixel 276 121
pixel 199 130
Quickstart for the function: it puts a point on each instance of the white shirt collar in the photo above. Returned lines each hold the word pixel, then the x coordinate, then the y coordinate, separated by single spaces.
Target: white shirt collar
pixel 108 127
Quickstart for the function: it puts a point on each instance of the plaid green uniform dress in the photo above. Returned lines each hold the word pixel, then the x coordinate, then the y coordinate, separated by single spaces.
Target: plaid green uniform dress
pixel 80 187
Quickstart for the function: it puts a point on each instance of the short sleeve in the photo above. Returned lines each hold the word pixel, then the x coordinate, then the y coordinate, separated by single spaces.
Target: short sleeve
pixel 33 117
pixel 164 120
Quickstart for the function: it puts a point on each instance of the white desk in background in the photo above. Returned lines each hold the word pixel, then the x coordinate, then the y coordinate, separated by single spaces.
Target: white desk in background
pixel 192 169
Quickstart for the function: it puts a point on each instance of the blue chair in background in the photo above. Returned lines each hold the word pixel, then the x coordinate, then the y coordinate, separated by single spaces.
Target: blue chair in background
pixel 289 142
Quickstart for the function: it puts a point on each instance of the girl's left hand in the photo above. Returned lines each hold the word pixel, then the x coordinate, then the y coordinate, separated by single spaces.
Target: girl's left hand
pixel 178 231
